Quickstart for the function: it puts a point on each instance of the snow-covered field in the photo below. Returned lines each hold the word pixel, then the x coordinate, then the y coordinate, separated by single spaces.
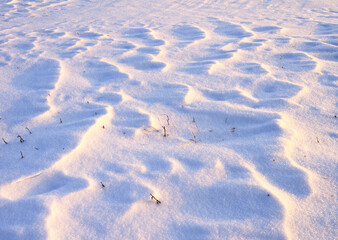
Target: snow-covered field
pixel 225 111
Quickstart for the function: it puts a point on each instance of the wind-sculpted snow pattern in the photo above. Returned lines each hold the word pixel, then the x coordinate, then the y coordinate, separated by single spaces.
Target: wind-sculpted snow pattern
pixel 168 120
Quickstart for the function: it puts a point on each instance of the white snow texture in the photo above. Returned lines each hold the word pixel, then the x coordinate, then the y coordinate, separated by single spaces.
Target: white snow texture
pixel 225 111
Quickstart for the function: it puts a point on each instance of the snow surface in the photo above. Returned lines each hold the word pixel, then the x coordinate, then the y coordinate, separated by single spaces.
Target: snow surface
pixel 245 92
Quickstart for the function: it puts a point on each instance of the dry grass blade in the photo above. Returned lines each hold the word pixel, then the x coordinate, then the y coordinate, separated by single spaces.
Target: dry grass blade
pixel 195 141
pixel 29 130
pixel 165 134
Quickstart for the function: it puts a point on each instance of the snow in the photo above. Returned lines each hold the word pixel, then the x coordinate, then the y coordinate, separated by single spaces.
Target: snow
pixel 224 111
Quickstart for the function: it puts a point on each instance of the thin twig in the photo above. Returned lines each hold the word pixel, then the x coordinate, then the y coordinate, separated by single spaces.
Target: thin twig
pixel 194 137
pixel 21 154
pixel 21 139
pixel 165 134
pixel 4 141
pixel 29 130
pixel 153 197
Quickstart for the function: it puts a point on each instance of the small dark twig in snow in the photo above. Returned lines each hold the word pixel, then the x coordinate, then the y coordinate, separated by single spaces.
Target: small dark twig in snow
pixel 21 139
pixel 153 197
pixel 29 130
pixel 317 139
pixel 102 184
pixel 165 134
pixel 4 141
pixel 60 120
pixel 21 154
pixel 195 141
